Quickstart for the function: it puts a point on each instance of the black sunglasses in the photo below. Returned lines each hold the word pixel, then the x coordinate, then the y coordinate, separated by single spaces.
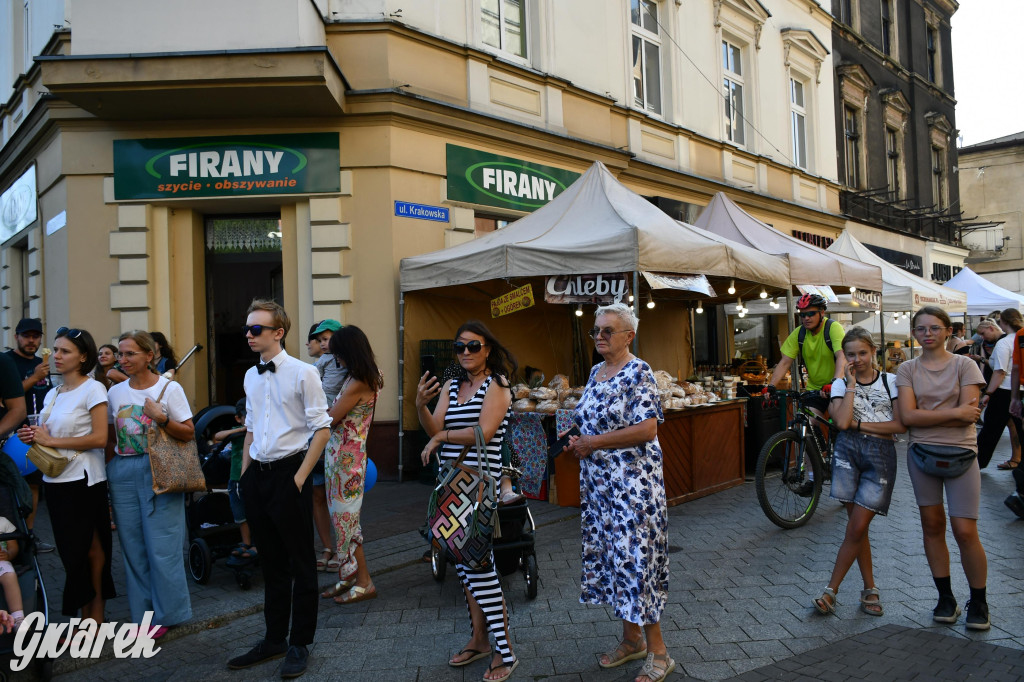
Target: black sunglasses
pixel 810 314
pixel 473 347
pixel 255 329
pixel 69 332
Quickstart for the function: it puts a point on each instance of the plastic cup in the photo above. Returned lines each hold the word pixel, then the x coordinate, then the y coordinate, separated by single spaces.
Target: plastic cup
pixel 33 420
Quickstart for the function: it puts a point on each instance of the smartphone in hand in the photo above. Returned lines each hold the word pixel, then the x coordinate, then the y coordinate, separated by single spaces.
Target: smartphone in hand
pixel 428 364
pixel 559 445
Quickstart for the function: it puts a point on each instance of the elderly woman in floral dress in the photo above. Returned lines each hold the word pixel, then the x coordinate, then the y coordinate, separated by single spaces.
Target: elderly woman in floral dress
pixel 623 509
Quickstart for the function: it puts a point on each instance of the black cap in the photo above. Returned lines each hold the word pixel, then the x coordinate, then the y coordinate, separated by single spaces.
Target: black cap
pixel 240 408
pixel 312 331
pixel 29 324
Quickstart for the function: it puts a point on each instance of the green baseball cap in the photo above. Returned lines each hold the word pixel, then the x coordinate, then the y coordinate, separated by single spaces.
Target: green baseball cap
pixel 328 325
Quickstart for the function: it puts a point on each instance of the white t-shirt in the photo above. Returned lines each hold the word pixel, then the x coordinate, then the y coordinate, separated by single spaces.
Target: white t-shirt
pixel 871 402
pixel 124 407
pixel 1002 359
pixel 70 418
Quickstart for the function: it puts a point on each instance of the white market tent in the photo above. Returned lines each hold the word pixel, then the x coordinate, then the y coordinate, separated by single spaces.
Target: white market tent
pixel 984 296
pixel 808 264
pixel 901 291
pixel 597 225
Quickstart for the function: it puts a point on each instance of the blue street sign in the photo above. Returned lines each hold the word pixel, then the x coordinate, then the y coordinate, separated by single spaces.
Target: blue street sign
pixel 404 209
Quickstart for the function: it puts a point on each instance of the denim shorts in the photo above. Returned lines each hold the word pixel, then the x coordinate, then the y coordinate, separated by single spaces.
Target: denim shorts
pixel 317 477
pixel 237 506
pixel 864 471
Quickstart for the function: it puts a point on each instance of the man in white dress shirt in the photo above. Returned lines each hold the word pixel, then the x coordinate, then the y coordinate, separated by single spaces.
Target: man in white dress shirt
pixel 284 404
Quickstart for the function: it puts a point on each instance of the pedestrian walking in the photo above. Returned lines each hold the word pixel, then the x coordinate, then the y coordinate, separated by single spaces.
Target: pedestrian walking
pixel 151 527
pixel 864 462
pixel 345 460
pixel 481 395
pixel 284 404
pixel 623 507
pixel 996 397
pixel 939 402
pixel 332 376
pixel 74 421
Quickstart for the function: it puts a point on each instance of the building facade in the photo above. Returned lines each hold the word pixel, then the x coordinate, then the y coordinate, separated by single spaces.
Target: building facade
pixel 186 157
pixel 991 175
pixel 896 151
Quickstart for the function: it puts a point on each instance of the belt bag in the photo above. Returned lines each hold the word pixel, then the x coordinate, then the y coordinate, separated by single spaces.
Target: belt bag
pixel 462 511
pixel 944 461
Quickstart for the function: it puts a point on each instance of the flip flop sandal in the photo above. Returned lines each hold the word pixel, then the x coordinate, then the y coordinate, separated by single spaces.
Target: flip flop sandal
pixel 823 606
pixel 511 669
pixel 239 548
pixel 1007 465
pixel 357 594
pixel 621 655
pixel 656 672
pixel 869 606
pixel 339 588
pixel 476 656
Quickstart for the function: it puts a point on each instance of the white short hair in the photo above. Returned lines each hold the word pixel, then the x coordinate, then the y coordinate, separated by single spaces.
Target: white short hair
pixel 620 310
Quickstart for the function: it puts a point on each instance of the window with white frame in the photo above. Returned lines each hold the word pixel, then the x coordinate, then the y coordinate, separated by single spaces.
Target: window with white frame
pixel 798 122
pixel 892 161
pixel 732 86
pixel 939 177
pixel 851 134
pixel 504 25
pixel 646 45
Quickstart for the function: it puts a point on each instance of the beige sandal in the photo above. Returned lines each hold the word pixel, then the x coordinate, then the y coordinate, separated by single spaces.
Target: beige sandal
pixel 622 654
pixel 325 557
pixel 657 667
pixel 356 593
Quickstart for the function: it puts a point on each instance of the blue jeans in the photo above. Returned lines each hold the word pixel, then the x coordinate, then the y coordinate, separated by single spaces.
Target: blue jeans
pixel 152 533
pixel 864 470
pixel 235 501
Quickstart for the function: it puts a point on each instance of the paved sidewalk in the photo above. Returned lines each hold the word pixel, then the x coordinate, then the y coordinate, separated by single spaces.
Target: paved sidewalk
pixel 740 600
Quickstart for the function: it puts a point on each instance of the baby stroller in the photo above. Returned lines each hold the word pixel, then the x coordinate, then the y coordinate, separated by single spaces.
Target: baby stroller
pixel 212 531
pixel 513 551
pixel 15 506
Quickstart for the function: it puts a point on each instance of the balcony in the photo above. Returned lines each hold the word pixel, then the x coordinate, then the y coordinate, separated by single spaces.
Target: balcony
pixel 877 207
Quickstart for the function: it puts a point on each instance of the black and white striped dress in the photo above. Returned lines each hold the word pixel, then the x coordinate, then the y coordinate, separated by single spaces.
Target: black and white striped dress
pixel 483 584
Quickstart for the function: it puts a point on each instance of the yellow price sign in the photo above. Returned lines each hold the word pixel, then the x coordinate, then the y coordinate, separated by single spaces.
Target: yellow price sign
pixel 513 301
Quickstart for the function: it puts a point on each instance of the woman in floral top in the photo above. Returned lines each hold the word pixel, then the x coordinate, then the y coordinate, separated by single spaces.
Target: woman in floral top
pixel 345 461
pixel 623 510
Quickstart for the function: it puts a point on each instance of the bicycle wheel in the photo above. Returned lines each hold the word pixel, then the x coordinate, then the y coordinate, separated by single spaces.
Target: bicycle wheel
pixel 782 485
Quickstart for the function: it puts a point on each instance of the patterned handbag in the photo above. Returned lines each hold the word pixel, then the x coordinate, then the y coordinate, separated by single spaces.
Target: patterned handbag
pixel 462 512
pixel 175 463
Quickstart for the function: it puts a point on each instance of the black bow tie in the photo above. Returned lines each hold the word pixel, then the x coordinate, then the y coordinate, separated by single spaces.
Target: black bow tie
pixel 269 367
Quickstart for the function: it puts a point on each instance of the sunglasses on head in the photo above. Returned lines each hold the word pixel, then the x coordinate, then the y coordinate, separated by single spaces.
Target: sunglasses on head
pixel 255 329
pixel 473 347
pixel 69 332
pixel 810 314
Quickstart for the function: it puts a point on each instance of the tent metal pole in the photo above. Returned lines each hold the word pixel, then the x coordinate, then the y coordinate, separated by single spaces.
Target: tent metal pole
pixel 636 307
pixel 401 378
pixel 881 330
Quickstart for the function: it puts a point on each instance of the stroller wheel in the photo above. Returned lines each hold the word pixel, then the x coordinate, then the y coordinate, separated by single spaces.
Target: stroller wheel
pixel 530 573
pixel 200 561
pixel 438 563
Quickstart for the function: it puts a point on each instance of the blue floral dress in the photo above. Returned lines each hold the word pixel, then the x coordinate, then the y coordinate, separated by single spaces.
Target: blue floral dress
pixel 623 509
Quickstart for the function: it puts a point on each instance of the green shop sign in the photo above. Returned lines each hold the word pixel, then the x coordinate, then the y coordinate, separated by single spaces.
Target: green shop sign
pixel 477 177
pixel 227 166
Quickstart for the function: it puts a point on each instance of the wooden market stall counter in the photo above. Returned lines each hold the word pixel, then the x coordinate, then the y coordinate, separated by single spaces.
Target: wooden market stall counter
pixel 703 453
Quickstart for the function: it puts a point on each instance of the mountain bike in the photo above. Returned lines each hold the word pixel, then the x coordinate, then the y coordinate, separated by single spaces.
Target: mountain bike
pixel 793 466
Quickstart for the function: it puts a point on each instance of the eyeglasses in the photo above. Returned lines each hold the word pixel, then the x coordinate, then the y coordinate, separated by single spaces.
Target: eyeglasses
pixel 810 314
pixel 255 329
pixel 934 329
pixel 128 354
pixel 71 333
pixel 606 332
pixel 473 347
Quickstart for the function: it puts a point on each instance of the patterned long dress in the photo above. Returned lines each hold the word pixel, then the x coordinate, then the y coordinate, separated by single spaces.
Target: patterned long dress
pixel 623 509
pixel 345 473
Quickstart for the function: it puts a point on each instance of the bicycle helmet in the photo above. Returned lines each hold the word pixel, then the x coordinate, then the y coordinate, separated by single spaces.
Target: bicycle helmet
pixel 812 301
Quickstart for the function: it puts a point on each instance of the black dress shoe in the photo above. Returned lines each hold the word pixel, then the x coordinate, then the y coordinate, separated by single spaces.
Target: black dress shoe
pixel 295 662
pixel 264 651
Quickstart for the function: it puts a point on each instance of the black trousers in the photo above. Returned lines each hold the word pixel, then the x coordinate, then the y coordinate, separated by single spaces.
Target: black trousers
pixel 997 416
pixel 281 519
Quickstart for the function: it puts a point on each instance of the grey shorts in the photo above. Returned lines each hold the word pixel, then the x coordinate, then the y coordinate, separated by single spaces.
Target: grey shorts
pixel 963 493
pixel 864 471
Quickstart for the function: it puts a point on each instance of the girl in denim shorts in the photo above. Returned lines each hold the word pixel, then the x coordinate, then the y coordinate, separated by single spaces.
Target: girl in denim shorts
pixel 864 464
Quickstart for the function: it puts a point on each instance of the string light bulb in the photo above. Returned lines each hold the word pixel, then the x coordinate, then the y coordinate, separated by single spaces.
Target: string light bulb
pixel 739 304
pixel 700 309
pixel 732 287
pixel 579 310
pixel 774 303
pixel 853 290
pixel 764 293
pixel 742 314
pixel 878 312
pixel 650 301
pixel 631 298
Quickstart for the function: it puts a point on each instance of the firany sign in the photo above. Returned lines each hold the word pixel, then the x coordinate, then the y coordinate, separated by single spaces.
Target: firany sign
pixel 602 289
pixel 477 177
pixel 227 166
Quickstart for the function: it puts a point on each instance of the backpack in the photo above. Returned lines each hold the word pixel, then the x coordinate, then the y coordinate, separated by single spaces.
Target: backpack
pixel 828 338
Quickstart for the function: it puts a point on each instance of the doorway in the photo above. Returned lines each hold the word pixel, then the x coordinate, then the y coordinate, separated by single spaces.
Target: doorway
pixel 243 262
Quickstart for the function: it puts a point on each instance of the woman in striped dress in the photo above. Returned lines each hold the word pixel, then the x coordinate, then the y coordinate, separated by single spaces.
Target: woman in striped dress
pixel 481 395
